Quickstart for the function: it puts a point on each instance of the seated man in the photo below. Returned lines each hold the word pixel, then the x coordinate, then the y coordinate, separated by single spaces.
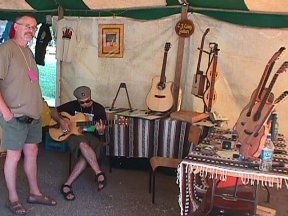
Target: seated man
pixel 87 146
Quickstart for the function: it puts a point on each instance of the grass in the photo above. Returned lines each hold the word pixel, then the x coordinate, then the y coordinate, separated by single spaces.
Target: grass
pixel 47 75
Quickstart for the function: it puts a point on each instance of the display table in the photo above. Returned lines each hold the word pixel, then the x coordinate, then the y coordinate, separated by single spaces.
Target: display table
pixel 143 138
pixel 214 167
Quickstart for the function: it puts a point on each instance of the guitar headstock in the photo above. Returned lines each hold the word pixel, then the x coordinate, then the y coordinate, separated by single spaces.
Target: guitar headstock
pixel 277 55
pixel 281 98
pixel 167 46
pixel 283 67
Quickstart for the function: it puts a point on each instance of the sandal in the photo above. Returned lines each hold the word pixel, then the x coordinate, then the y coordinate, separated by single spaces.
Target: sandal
pixel 69 195
pixel 101 183
pixel 41 199
pixel 17 208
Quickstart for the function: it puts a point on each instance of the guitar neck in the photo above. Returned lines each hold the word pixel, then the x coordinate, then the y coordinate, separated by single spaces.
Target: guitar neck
pixel 91 123
pixel 265 76
pixel 163 77
pixel 265 99
pixel 278 100
pixel 214 62
pixel 201 50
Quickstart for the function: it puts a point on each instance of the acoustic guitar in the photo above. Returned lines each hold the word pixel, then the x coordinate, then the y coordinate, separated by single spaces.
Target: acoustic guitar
pixel 252 134
pixel 259 92
pixel 76 123
pixel 254 137
pixel 160 96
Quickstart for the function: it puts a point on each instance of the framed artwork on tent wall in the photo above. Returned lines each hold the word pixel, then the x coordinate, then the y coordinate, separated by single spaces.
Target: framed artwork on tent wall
pixel 110 40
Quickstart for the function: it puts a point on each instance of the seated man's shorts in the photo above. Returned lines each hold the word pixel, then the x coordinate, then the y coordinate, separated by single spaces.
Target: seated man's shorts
pixel 74 141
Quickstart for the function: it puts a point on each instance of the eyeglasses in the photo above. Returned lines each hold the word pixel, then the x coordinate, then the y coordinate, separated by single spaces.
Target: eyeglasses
pixel 85 102
pixel 28 27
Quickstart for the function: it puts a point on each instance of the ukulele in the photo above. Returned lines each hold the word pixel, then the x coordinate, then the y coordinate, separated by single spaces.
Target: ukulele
pixel 212 74
pixel 160 96
pixel 199 78
pixel 258 93
pixel 252 144
pixel 76 123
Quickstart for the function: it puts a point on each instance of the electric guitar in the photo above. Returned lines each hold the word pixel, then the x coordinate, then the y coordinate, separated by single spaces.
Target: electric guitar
pixel 160 96
pixel 76 123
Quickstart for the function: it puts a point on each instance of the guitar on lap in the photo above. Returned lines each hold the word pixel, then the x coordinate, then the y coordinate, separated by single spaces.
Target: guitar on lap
pixel 76 123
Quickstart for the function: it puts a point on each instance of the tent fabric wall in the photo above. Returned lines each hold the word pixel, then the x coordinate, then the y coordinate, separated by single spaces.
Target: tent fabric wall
pixel 244 53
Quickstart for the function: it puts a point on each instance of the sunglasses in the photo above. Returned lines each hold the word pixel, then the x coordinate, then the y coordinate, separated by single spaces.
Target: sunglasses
pixel 85 102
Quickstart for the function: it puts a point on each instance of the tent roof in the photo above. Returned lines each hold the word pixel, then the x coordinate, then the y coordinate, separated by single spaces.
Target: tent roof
pixel 260 13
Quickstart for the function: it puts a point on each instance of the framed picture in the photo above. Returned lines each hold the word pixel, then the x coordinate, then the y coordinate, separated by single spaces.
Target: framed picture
pixel 111 39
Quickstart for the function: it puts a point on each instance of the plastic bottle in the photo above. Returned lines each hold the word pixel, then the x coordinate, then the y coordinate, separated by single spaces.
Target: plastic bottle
pixel 274 127
pixel 267 155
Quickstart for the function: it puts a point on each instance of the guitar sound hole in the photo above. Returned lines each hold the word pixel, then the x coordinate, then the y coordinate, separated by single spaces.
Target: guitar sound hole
pixel 160 96
pixel 248 132
pixel 161 86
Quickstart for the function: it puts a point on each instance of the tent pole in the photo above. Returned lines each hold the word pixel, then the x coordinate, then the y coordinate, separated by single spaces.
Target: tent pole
pixel 59 64
pixel 179 61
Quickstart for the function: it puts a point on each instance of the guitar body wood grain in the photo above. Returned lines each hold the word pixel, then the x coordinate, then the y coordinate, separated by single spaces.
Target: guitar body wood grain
pixel 254 144
pixel 246 113
pixel 210 97
pixel 252 134
pixel 160 100
pixel 57 134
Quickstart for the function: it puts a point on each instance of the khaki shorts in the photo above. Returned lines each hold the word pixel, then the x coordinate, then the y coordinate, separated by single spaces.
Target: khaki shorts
pixel 74 141
pixel 16 134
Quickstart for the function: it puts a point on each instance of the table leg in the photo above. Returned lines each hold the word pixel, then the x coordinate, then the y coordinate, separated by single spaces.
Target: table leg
pixel 256 199
pixel 212 195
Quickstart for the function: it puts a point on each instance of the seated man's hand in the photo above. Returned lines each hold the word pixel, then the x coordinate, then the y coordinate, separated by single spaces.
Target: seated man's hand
pixel 100 127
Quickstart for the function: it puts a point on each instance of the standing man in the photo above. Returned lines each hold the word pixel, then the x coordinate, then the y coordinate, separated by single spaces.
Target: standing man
pixel 20 110
pixel 86 147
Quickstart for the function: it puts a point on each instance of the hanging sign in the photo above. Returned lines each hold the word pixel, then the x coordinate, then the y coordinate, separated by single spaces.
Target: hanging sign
pixel 184 28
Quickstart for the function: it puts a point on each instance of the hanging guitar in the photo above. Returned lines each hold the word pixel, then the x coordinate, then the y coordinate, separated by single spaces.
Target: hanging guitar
pixel 253 134
pixel 212 75
pixel 259 92
pixel 76 123
pixel 160 96
pixel 199 78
